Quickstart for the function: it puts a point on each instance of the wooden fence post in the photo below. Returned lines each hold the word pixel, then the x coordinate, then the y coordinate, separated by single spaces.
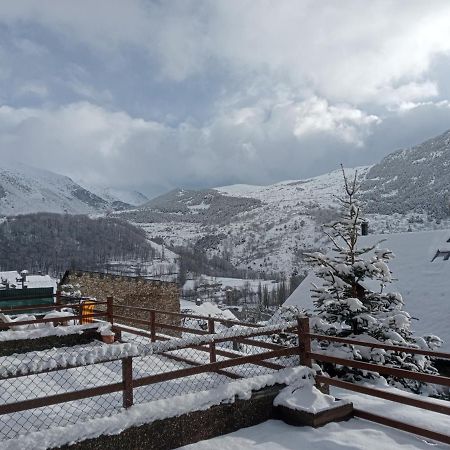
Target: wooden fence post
pixel 304 341
pixel 152 325
pixel 127 378
pixel 212 346
pixel 110 309
pixel 80 312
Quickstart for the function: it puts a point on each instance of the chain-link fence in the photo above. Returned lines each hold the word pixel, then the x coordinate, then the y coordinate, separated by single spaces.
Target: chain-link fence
pixel 61 386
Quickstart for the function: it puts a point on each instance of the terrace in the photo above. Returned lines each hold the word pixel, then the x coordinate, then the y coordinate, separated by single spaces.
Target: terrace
pixel 160 356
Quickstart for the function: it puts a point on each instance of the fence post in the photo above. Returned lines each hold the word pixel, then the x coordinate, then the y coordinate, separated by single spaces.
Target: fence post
pixel 152 325
pixel 127 378
pixel 212 345
pixel 304 341
pixel 80 312
pixel 110 309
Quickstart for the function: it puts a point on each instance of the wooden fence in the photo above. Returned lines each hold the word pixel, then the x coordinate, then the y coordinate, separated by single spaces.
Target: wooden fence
pixel 81 315
pixel 306 337
pixel 154 328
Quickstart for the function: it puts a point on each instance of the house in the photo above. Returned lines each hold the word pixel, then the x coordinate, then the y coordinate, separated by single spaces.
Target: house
pixel 38 289
pixel 420 277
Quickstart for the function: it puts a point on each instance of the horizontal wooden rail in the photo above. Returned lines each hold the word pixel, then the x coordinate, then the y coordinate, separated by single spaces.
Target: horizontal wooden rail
pixel 55 319
pixel 261 344
pixel 54 306
pixel 400 373
pixel 232 355
pixel 383 420
pixel 382 345
pixel 219 351
pixel 189 316
pixel 386 395
pixel 60 398
pixel 212 367
pixel 178 328
pixel 196 363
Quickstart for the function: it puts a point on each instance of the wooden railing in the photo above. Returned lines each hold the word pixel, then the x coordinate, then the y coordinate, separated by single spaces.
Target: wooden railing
pixel 76 304
pixel 129 383
pixel 154 329
pixel 305 337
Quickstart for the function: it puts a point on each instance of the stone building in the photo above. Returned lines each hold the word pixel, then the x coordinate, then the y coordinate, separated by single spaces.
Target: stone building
pixel 129 291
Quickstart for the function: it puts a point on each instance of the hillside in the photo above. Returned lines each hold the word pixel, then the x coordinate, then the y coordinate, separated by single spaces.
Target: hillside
pixel 260 229
pixel 414 179
pixel 53 243
pixel 267 228
pixel 25 189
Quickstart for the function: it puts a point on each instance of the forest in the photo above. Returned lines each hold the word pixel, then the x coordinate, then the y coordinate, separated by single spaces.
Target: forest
pixel 52 243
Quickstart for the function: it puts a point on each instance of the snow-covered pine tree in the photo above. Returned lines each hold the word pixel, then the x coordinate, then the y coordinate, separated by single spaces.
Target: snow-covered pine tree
pixel 351 300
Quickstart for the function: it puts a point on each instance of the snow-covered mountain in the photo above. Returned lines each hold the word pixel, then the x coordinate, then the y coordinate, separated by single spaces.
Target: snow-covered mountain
pixel 267 228
pixel 25 189
pixel 414 179
pixel 259 228
pixel 116 196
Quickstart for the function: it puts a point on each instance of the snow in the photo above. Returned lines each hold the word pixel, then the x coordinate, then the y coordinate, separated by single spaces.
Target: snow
pixel 12 335
pixel 156 410
pixel 30 190
pixel 424 285
pixel 306 397
pixel 32 281
pixel 355 434
pixel 408 414
pixel 35 362
pixel 207 309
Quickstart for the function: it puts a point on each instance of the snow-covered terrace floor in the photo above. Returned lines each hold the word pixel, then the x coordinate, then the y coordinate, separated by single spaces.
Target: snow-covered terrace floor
pixel 14 390
pixel 355 434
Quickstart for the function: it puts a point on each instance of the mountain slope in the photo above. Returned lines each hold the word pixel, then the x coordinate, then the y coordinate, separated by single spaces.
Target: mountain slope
pixel 267 228
pixel 415 179
pixel 25 189
pixel 256 228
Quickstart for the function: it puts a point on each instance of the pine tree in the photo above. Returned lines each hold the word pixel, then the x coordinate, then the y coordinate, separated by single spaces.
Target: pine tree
pixel 348 304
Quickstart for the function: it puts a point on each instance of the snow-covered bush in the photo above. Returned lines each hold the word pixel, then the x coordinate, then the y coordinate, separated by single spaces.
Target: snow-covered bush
pixel 351 301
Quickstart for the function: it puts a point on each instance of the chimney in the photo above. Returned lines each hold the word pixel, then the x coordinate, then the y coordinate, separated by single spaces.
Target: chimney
pixel 365 228
pixel 24 274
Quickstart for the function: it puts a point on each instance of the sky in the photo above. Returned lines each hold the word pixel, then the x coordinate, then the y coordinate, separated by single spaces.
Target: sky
pixel 153 95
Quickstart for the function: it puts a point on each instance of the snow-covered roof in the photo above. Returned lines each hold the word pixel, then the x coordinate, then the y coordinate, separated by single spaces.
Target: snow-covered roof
pixel 424 285
pixel 32 281
pixel 207 309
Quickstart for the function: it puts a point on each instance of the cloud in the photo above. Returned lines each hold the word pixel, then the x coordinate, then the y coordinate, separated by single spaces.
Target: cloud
pixel 101 146
pixel 33 88
pixel 154 94
pixel 350 53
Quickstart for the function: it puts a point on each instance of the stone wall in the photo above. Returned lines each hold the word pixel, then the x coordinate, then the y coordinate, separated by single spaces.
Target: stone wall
pixel 189 428
pixel 129 291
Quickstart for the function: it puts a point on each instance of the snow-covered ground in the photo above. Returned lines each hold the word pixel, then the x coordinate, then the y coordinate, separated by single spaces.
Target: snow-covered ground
pixel 424 284
pixel 356 434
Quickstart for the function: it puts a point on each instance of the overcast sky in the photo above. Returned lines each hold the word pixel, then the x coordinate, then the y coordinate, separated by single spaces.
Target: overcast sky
pixel 152 95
